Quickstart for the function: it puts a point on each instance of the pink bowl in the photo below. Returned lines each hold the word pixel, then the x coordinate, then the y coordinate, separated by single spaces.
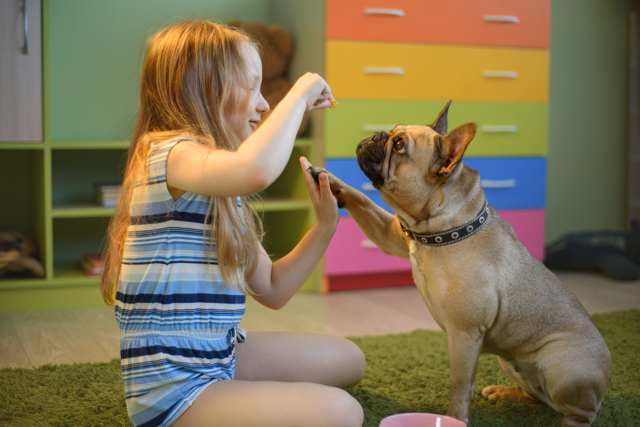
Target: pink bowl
pixel 420 420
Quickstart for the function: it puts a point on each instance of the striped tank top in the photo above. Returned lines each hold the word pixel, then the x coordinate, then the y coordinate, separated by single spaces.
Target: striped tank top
pixel 177 319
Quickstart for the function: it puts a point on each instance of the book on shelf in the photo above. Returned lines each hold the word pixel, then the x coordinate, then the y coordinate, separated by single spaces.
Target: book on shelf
pixel 91 264
pixel 106 195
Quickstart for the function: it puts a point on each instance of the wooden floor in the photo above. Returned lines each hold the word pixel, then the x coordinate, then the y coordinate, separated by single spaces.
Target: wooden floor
pixel 32 339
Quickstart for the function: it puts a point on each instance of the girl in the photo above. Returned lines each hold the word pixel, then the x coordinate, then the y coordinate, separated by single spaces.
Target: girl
pixel 184 247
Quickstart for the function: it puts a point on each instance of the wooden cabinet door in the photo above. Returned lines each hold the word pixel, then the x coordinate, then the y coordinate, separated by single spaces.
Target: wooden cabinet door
pixel 20 71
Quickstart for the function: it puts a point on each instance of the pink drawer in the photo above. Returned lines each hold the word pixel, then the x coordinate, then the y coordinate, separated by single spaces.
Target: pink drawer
pixel 529 227
pixel 350 252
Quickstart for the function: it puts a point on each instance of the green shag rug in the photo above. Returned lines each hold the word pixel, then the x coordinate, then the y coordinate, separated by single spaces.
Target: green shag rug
pixel 405 373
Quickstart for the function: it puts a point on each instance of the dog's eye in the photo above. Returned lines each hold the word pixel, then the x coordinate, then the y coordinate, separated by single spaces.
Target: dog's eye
pixel 399 144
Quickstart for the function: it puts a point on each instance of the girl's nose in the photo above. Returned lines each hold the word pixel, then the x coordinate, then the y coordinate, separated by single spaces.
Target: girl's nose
pixel 263 105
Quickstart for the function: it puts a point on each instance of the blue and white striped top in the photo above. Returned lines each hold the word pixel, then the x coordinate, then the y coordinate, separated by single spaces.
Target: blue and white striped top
pixel 177 319
pixel 166 281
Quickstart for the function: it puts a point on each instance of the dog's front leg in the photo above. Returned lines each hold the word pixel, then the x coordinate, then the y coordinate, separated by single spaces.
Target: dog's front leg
pixel 377 224
pixel 464 349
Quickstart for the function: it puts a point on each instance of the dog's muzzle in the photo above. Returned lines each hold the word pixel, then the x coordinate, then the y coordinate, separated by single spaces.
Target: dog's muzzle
pixel 371 153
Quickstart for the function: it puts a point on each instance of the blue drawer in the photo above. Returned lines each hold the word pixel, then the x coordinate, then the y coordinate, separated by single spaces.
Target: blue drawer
pixel 508 182
pixel 512 182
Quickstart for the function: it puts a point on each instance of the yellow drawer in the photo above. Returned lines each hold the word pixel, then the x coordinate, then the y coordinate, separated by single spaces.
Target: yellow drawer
pixel 370 70
pixel 503 129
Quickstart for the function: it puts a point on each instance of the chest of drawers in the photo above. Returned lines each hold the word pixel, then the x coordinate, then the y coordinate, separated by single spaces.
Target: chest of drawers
pixel 399 62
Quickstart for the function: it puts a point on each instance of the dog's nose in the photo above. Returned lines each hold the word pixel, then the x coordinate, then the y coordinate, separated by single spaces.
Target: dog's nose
pixel 379 136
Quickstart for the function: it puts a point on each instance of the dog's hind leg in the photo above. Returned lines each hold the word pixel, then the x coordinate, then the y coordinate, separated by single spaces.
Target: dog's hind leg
pixel 577 374
pixel 578 393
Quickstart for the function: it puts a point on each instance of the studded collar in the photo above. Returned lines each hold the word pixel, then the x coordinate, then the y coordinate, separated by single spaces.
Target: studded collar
pixel 453 235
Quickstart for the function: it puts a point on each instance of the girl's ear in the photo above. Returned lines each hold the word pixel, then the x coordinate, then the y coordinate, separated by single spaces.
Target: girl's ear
pixel 453 146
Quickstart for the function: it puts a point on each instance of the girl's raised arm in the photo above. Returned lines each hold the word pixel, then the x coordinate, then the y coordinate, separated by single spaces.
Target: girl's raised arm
pixel 275 283
pixel 260 159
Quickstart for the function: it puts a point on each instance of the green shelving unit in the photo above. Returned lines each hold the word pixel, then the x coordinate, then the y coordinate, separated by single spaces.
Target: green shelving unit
pixel 89 105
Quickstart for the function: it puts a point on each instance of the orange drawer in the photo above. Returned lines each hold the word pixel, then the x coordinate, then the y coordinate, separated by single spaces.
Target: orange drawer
pixel 513 23
pixel 387 71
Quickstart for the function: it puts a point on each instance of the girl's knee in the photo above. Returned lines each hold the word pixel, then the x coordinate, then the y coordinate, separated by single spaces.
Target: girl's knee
pixel 347 411
pixel 355 363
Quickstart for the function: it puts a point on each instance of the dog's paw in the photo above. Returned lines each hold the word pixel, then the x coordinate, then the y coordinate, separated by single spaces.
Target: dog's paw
pixel 498 393
pixel 338 188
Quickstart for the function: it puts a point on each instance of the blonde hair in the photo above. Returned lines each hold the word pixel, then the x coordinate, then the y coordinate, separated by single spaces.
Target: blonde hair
pixel 186 84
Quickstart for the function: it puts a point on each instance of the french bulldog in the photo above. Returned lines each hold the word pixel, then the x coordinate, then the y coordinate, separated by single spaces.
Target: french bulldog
pixel 479 282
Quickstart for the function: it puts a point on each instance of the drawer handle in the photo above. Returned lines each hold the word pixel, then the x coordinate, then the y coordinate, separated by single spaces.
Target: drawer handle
pixel 393 12
pixel 501 18
pixel 368 244
pixel 384 70
pixel 25 47
pixel 367 186
pixel 375 128
pixel 502 74
pixel 495 128
pixel 497 183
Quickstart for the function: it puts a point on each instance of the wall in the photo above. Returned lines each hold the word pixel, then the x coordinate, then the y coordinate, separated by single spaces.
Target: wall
pixel 587 108
pixel 114 32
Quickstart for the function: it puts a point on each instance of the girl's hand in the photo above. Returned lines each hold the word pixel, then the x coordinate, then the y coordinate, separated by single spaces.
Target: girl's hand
pixel 324 203
pixel 314 90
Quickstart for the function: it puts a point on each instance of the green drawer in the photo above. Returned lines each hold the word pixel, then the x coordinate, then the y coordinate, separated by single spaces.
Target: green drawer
pixel 503 129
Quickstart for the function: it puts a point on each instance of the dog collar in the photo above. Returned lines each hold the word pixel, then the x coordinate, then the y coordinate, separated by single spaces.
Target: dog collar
pixel 453 235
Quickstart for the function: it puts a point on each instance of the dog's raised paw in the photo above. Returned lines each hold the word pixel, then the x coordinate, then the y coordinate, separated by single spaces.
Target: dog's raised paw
pixel 315 173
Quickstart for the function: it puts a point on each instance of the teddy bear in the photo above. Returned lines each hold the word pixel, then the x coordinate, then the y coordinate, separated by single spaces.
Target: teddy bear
pixel 17 254
pixel 276 48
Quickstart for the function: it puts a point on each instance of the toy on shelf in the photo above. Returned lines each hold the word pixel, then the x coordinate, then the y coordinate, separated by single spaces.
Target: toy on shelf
pixel 91 264
pixel 17 254
pixel 276 49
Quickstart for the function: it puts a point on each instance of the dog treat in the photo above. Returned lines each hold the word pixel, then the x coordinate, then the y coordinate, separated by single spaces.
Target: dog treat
pixel 334 104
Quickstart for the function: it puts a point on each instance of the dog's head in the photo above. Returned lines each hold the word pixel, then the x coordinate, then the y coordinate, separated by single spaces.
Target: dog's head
pixel 411 163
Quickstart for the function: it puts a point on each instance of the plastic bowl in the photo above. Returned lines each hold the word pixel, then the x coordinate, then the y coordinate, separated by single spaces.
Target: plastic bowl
pixel 420 420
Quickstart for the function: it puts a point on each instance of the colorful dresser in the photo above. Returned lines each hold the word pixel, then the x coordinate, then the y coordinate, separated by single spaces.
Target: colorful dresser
pixel 399 62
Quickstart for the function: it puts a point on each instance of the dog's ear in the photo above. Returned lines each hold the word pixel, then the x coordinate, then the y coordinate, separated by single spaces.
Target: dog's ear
pixel 453 146
pixel 440 125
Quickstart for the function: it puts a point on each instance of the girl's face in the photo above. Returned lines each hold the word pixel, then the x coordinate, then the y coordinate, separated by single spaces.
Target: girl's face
pixel 244 121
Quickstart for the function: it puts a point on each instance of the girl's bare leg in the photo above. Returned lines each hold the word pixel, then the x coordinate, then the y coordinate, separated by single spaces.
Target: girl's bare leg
pixel 284 379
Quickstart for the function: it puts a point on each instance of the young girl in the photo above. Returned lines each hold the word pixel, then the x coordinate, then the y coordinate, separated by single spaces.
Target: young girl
pixel 184 247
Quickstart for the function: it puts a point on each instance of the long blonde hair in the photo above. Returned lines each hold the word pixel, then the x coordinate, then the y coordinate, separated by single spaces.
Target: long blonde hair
pixel 186 84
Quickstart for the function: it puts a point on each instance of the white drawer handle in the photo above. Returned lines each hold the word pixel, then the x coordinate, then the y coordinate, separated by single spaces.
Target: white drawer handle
pixel 367 186
pixel 504 183
pixel 503 74
pixel 368 244
pixel 495 128
pixel 375 128
pixel 501 18
pixel 384 70
pixel 393 12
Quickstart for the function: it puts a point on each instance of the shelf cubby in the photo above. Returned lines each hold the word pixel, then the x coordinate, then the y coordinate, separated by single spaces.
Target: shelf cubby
pixel 75 172
pixel 21 201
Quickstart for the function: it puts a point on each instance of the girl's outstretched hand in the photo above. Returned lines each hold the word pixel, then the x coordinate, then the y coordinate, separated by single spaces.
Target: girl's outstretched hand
pixel 315 91
pixel 324 203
